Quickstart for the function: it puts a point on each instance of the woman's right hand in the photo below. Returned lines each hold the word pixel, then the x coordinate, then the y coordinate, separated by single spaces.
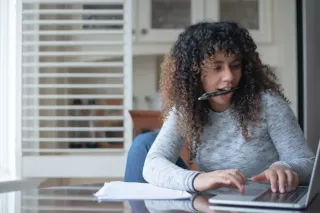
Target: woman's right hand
pixel 220 178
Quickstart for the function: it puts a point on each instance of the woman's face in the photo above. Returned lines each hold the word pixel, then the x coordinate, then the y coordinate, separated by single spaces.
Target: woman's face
pixel 218 72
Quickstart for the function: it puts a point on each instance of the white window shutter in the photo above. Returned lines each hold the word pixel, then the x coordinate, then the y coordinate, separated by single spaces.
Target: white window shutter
pixel 76 87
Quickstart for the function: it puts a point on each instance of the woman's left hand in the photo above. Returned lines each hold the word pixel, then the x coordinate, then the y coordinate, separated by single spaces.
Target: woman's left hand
pixel 280 177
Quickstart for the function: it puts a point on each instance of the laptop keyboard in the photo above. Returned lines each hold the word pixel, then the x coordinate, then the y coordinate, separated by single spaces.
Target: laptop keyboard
pixel 289 197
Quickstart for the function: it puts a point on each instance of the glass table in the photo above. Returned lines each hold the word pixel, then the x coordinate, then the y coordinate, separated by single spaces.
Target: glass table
pixel 80 199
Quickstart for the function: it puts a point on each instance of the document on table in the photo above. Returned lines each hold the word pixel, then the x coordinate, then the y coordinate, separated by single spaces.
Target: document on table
pixel 119 190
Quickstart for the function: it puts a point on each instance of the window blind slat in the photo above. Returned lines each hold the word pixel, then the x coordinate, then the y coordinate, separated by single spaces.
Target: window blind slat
pixel 75 75
pixel 68 107
pixel 72 53
pixel 74 86
pixel 73 43
pixel 111 2
pixel 73 32
pixel 68 96
pixel 63 140
pixel 77 129
pixel 75 118
pixel 74 22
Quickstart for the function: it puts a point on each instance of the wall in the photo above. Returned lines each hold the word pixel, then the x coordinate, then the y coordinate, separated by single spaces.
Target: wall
pixel 284 21
pixel 145 82
pixel 311 74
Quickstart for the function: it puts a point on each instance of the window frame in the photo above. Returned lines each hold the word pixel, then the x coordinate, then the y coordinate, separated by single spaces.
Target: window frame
pixel 9 96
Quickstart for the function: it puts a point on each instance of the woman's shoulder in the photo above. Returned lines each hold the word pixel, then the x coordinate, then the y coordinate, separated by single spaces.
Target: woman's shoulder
pixel 273 98
pixel 274 101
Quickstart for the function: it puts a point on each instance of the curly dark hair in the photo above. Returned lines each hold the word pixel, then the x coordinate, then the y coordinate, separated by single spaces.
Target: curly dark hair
pixel 181 85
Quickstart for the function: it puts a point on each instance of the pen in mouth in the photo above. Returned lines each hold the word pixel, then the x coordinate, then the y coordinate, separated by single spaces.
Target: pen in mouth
pixel 208 95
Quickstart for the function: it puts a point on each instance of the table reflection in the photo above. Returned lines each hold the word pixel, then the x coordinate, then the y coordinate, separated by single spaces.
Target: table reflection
pixel 80 199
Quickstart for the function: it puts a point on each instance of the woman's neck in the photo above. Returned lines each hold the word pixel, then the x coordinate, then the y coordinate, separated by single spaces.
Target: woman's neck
pixel 216 107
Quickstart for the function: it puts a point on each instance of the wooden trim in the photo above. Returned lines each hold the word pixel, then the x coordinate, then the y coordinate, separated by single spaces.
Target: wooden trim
pixel 144 113
pixel 145 120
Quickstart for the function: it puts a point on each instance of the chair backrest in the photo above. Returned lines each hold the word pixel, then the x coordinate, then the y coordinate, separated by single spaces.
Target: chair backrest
pixel 149 120
pixel 145 120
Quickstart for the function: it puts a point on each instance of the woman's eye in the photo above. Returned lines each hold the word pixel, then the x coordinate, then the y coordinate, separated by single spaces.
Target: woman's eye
pixel 236 66
pixel 217 68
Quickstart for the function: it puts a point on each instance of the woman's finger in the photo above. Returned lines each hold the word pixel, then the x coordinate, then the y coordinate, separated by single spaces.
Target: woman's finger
pixel 222 182
pixel 272 176
pixel 296 180
pixel 282 180
pixel 242 175
pixel 234 180
pixel 239 177
pixel 290 180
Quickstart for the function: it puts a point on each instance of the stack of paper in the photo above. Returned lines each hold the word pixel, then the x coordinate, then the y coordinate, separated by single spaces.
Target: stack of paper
pixel 118 190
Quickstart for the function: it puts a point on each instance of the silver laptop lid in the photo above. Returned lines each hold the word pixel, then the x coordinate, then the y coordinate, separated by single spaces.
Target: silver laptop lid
pixel 314 185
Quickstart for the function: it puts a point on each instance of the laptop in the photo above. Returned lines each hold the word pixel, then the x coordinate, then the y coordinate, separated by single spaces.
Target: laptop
pixel 262 196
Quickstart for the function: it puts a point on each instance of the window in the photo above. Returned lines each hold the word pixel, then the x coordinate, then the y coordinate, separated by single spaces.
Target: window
pixel 8 89
pixel 28 130
pixel 75 87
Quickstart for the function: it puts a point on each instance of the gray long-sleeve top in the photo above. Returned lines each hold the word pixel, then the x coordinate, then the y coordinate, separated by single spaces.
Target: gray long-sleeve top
pixel 276 140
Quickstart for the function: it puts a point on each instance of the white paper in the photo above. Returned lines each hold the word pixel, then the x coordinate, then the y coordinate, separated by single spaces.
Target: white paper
pixel 118 190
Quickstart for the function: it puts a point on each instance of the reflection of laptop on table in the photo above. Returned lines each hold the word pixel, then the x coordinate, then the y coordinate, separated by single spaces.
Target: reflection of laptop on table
pixel 297 199
pixel 230 209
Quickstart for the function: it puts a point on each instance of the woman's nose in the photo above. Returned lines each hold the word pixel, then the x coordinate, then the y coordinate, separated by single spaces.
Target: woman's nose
pixel 227 74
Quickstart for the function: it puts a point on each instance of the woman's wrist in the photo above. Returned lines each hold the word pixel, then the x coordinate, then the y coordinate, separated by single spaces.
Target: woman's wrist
pixel 193 180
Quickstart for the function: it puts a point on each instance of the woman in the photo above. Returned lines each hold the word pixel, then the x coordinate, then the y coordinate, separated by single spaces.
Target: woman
pixel 250 132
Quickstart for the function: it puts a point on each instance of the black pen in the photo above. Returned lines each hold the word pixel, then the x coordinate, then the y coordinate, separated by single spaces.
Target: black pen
pixel 208 95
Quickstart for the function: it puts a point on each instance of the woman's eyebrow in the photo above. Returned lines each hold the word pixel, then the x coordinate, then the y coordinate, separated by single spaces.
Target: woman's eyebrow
pixel 221 62
pixel 218 62
pixel 236 60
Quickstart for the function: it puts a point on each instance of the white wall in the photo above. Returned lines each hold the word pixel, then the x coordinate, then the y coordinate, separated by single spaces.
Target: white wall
pixel 284 21
pixel 144 82
pixel 311 71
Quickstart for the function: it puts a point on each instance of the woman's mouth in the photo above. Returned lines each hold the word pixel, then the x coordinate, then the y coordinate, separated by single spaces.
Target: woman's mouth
pixel 225 92
pixel 225 89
